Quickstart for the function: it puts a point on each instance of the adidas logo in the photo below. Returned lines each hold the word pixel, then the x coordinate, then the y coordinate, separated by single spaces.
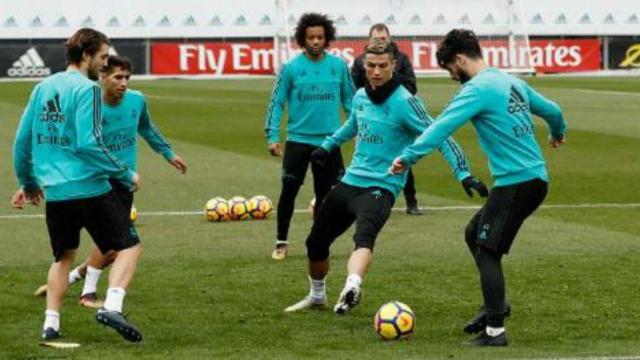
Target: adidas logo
pixel 52 112
pixel 30 64
pixel 517 103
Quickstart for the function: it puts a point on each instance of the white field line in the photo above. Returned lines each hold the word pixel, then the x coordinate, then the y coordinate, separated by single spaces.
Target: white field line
pixel 606 92
pixel 633 357
pixel 425 208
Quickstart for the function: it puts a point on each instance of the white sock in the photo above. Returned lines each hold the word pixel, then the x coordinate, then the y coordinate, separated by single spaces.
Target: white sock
pixel 491 331
pixel 91 280
pixel 114 300
pixel 353 280
pixel 318 288
pixel 51 320
pixel 74 275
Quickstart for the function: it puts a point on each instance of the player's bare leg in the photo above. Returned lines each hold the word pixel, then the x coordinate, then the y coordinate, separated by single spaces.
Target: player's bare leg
pixel 357 267
pixel 122 271
pixel 92 269
pixel 57 283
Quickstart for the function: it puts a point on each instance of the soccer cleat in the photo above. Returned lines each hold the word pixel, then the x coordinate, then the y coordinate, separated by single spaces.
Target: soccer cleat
pixel 307 303
pixel 485 339
pixel 41 291
pixel 50 334
pixel 349 298
pixel 280 252
pixel 479 322
pixel 90 300
pixel 117 321
pixel 414 210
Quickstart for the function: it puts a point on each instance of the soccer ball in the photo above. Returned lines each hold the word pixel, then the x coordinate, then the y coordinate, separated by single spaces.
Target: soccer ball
pixel 216 210
pixel 394 320
pixel 133 215
pixel 260 207
pixel 238 208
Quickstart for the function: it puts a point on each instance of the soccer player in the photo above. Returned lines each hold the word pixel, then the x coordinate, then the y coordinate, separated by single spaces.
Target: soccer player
pixel 314 84
pixel 385 119
pixel 403 71
pixel 499 106
pixel 124 116
pixel 59 150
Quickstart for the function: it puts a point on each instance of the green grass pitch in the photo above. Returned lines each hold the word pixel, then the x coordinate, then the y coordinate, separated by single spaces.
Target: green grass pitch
pixel 207 290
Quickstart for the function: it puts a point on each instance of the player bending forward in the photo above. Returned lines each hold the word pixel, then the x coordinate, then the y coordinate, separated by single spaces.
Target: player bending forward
pixel 499 106
pixel 59 149
pixel 385 118
pixel 124 116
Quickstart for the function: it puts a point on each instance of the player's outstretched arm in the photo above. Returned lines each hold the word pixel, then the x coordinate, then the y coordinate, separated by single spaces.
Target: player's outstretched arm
pixel 464 106
pixel 150 133
pixel 279 95
pixel 346 132
pixel 551 113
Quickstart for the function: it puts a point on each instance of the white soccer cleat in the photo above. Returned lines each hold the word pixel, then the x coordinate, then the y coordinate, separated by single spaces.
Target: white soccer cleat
pixel 307 303
pixel 349 298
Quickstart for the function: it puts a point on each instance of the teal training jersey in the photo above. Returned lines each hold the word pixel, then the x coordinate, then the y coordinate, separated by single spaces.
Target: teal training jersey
pixel 499 106
pixel 59 146
pixel 314 92
pixel 382 131
pixel 121 125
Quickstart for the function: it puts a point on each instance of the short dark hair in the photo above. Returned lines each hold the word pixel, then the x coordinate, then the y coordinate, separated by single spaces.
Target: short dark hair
pixel 114 62
pixel 458 41
pixel 85 40
pixel 379 27
pixel 308 20
pixel 379 47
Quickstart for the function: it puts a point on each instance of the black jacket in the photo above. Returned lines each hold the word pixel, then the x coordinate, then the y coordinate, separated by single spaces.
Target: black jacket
pixel 403 71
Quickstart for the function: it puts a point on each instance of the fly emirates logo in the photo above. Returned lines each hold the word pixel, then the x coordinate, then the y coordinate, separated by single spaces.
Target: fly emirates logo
pixel 216 58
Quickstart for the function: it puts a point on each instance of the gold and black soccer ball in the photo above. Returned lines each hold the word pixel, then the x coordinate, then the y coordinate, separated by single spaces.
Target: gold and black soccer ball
pixel 395 320
pixel 217 209
pixel 238 208
pixel 260 207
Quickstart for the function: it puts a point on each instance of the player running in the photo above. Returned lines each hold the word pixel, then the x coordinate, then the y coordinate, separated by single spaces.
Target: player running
pixel 385 119
pixel 499 106
pixel 314 84
pixel 124 116
pixel 59 150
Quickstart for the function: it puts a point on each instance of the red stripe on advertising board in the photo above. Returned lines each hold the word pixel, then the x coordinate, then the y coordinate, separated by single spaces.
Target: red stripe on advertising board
pixel 256 58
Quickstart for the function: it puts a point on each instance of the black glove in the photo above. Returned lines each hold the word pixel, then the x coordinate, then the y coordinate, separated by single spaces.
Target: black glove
pixel 319 156
pixel 472 182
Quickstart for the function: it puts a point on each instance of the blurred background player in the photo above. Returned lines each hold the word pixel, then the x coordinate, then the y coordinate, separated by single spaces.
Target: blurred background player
pixel 314 84
pixel 386 118
pixel 403 72
pixel 61 126
pixel 499 106
pixel 124 116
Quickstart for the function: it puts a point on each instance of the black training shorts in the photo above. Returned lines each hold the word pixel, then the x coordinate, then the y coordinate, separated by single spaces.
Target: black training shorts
pixel 496 225
pixel 104 217
pixel 345 204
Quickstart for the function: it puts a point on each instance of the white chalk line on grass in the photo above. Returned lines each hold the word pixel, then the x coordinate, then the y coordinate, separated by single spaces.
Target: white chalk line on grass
pixel 425 208
pixel 605 92
pixel 587 358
